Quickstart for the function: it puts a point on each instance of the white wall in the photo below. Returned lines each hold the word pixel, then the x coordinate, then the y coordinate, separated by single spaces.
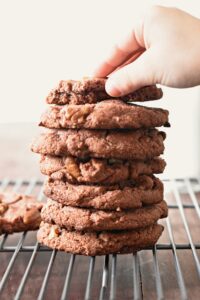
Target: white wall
pixel 42 42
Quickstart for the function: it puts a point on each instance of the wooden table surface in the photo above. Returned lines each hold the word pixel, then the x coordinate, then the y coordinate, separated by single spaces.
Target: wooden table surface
pixel 17 161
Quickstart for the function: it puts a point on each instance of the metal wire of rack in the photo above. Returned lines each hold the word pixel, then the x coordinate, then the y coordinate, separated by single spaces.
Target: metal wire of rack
pixel 171 270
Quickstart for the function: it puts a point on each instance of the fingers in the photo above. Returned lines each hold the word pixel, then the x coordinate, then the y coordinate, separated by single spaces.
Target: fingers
pixel 120 53
pixel 131 77
pixel 116 59
pixel 129 60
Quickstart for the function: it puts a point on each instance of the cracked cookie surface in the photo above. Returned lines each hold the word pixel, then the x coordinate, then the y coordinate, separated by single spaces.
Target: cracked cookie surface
pixel 147 190
pixel 108 114
pixel 102 243
pixel 99 171
pixel 126 144
pixel 74 218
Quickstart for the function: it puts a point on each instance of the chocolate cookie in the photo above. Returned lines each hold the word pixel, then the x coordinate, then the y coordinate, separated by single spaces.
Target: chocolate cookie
pixel 92 90
pixel 19 213
pixel 101 243
pixel 147 191
pixel 109 114
pixel 127 144
pixel 95 170
pixel 99 220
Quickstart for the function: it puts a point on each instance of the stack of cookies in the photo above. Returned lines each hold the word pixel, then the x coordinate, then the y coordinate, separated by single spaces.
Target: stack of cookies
pixel 100 157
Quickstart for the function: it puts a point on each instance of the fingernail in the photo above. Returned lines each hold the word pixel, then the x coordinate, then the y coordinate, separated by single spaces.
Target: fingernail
pixel 111 88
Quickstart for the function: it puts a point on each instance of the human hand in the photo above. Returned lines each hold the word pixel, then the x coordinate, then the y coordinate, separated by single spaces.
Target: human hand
pixel 164 47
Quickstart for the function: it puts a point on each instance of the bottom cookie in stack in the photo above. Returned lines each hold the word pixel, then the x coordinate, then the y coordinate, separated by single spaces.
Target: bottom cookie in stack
pixel 98 243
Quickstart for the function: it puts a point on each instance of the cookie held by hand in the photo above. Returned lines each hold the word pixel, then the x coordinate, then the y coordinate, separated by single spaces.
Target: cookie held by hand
pixel 92 90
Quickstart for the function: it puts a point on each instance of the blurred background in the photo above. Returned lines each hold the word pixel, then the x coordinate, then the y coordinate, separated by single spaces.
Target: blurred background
pixel 45 41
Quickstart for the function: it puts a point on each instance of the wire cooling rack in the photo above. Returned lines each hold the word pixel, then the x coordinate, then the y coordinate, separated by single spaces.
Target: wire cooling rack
pixel 171 270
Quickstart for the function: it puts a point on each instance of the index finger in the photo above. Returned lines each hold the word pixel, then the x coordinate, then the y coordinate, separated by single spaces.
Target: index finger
pixel 120 53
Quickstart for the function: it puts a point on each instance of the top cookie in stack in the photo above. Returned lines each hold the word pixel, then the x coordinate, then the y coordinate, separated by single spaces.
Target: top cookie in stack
pixel 92 90
pixel 100 154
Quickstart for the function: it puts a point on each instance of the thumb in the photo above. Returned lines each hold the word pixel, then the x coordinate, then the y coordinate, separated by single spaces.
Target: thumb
pixel 131 77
